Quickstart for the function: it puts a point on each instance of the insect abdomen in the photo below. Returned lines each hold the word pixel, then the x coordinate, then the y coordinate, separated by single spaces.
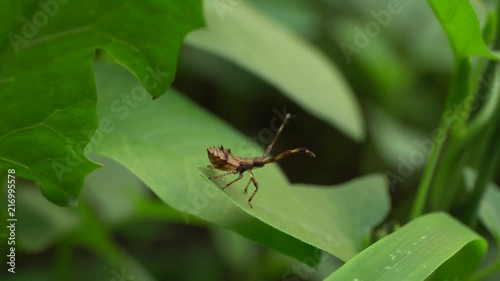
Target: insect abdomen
pixel 222 159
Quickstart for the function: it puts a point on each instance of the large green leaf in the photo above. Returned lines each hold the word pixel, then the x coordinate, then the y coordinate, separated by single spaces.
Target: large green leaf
pixel 131 198
pixel 47 85
pixel 461 24
pixel 44 225
pixel 416 250
pixel 113 181
pixel 311 213
pixel 163 142
pixel 249 39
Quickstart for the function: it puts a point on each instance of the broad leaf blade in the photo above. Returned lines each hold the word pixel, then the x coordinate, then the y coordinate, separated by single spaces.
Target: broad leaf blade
pixel 461 24
pixel 131 199
pixel 56 118
pixel 309 212
pixel 163 142
pixel 113 181
pixel 159 141
pixel 415 251
pixel 46 78
pixel 247 38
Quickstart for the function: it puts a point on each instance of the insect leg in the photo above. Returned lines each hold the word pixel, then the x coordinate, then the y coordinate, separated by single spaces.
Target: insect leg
pixel 222 175
pixel 256 184
pixel 248 184
pixel 239 178
pixel 289 152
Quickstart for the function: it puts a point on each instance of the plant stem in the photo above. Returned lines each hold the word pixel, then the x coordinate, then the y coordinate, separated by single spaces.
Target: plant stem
pixel 481 121
pixel 446 179
pixel 425 183
pixel 460 90
pixel 488 120
pixel 491 156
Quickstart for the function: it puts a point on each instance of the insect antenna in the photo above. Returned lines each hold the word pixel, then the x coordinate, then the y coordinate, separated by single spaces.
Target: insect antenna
pixel 268 150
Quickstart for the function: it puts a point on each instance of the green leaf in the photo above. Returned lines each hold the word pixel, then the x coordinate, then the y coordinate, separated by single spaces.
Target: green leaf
pixel 131 199
pixel 163 142
pixel 167 133
pixel 44 225
pixel 489 209
pixel 415 251
pixel 256 43
pixel 311 213
pixel 461 24
pixel 47 84
pixel 113 181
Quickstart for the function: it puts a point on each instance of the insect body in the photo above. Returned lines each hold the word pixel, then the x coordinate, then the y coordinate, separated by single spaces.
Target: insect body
pixel 222 159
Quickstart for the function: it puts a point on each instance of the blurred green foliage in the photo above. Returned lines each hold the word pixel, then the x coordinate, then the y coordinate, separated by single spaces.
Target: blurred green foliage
pixel 369 82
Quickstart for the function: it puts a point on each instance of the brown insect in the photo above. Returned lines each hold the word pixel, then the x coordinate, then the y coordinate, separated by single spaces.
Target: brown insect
pixel 222 159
